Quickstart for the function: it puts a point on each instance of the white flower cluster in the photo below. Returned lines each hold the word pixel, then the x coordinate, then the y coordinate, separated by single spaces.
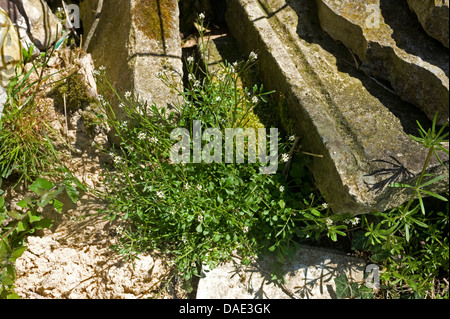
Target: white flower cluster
pixel 142 136
pixel 253 56
pixel 354 221
pixel 160 194
pixel 153 140
pixel 285 157
pixel 117 159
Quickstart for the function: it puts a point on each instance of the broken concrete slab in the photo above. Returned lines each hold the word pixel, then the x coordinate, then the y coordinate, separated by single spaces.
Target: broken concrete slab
pixel 393 48
pixel 135 45
pixel 433 16
pixel 358 126
pixel 310 275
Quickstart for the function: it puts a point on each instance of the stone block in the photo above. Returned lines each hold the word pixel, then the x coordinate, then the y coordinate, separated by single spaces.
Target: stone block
pixel 310 275
pixel 357 124
pixel 134 40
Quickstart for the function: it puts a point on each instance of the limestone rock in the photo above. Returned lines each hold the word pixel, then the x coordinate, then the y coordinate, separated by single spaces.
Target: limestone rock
pixel 391 46
pixel 45 28
pixel 20 23
pixel 135 45
pixel 11 49
pixel 433 15
pixel 358 126
pixel 309 276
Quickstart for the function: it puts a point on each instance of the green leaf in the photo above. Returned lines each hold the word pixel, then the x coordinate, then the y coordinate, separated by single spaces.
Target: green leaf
pixel 434 180
pixel 407 232
pixel 72 192
pixel 344 289
pixel 16 253
pixel 282 204
pixel 442 198
pixel 23 203
pixel 13 296
pixel 34 216
pixel 16 215
pixel 359 241
pixel 58 205
pixel 401 185
pixel 43 223
pixel 4 249
pixel 199 228
pixel 41 184
pixel 315 212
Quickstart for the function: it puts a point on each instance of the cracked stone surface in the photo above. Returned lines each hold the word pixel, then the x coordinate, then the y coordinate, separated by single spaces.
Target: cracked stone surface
pixel 433 16
pixel 392 46
pixel 359 126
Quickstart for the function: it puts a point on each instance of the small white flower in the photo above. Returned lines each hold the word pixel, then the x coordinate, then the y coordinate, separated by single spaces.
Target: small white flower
pixel 193 264
pixel 285 157
pixel 235 65
pixel 325 205
pixel 196 83
pixel 199 187
pixel 159 74
pixel 102 68
pixel 96 73
pixel 172 212
pixel 127 94
pixel 201 16
pixel 160 194
pixel 328 221
pixel 186 186
pixel 232 69
pixel 184 240
pixel 119 229
pixel 281 189
pixel 218 99
pixel 355 221
pixel 190 59
pixel 191 77
pixel 200 218
pixel 255 100
pixel 292 138
pixel 245 229
pixel 253 56
pixel 154 140
pixel 118 160
pixel 121 105
pixel 142 136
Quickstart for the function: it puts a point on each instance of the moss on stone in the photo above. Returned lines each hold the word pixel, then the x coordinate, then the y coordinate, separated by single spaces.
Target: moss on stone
pixel 153 17
pixel 74 91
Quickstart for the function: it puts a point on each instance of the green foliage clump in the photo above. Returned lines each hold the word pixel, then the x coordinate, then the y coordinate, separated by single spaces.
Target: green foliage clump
pixel 204 213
